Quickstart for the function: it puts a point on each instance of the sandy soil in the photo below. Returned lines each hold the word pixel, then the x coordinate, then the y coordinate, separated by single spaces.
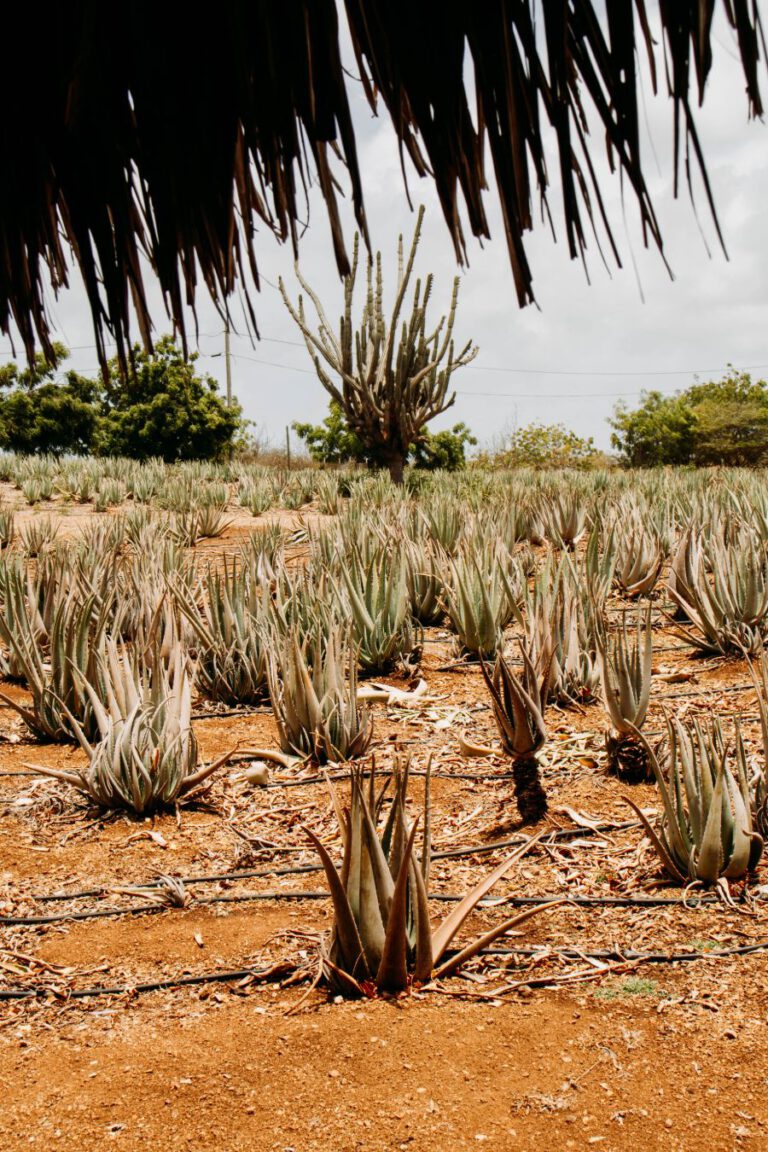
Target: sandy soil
pixel 539 1049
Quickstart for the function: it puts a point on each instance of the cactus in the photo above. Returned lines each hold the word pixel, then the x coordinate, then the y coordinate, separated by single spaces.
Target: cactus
pixel 391 376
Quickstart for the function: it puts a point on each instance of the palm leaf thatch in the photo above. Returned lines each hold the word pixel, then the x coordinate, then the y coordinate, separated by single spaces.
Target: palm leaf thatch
pixel 149 131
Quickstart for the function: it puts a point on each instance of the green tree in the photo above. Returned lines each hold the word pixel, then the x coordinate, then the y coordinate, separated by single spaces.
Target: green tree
pixel 548 446
pixel 445 450
pixel 660 431
pixel 164 408
pixel 723 422
pixel 41 414
pixel 332 442
pixel 731 421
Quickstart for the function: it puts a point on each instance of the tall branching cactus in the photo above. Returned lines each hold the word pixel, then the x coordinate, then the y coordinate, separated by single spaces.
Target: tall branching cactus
pixel 390 375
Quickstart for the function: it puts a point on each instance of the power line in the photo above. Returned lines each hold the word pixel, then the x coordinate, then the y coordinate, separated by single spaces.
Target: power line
pixel 550 395
pixel 620 372
pixel 473 368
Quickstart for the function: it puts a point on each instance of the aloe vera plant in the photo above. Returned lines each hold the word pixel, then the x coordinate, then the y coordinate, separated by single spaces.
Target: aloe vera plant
pixel 518 709
pixel 706 832
pixel 480 600
pixel 37 536
pixel 559 637
pixel 639 559
pixel 231 663
pixel 625 668
pixel 425 567
pixel 382 939
pixel 566 519
pixel 377 605
pixel 55 679
pixel 7 526
pixel 729 611
pixel 145 755
pixel 443 519
pixel 313 689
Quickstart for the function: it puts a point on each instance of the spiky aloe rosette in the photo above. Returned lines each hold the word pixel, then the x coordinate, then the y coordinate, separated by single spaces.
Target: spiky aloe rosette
pixel 518 708
pixel 147 755
pixel 313 689
pixel 382 939
pixel 625 670
pixel 706 832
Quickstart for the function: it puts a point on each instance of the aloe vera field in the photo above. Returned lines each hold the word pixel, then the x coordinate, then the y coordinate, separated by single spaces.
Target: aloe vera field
pixel 341 815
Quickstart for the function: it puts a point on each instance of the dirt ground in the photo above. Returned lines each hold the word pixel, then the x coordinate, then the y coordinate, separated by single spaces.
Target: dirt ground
pixel 562 1041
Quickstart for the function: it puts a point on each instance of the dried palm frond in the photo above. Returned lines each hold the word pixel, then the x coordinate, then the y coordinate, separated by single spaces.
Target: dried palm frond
pixel 382 939
pixel 273 100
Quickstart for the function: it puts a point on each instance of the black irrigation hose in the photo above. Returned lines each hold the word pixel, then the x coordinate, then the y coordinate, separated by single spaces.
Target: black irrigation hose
pixel 298 869
pixel 152 986
pixel 631 954
pixel 704 692
pixel 482 776
pixel 38 993
pixel 244 711
pixel 443 897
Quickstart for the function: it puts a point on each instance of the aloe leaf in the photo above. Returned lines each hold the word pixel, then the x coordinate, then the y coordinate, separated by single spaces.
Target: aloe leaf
pixel 446 931
pixel 664 855
pixel 455 962
pixel 348 936
pixel 393 969
pixel 708 860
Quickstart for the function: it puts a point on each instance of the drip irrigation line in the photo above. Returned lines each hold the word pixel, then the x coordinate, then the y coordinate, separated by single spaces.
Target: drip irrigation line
pixel 308 780
pixel 141 909
pixel 299 869
pixel 239 974
pixel 631 954
pixel 705 692
pixel 122 990
pixel 256 710
pixel 441 897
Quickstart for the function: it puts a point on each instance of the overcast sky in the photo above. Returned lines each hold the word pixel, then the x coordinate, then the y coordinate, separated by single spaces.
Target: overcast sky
pixel 586 345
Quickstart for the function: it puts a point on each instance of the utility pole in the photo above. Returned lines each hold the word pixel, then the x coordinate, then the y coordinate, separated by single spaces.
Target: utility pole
pixel 228 365
pixel 288 446
pixel 228 371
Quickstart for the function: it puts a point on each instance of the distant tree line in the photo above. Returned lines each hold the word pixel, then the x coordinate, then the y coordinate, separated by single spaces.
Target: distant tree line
pixel 162 407
pixel 719 422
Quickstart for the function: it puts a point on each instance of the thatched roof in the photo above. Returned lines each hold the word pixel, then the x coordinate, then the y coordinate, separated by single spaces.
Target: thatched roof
pixel 141 127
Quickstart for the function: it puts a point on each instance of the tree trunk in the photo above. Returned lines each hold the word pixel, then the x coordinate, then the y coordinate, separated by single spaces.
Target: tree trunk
pixel 529 790
pixel 396 465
